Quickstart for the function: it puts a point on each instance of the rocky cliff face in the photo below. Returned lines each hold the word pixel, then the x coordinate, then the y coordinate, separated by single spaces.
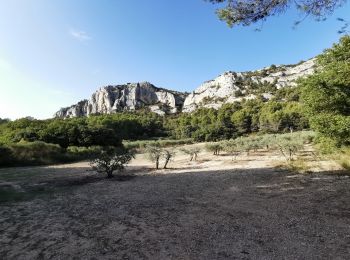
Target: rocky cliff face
pixel 231 86
pixel 111 99
pixel 226 88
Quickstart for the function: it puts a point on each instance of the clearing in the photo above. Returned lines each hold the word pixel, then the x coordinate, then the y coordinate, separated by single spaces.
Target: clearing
pixel 209 209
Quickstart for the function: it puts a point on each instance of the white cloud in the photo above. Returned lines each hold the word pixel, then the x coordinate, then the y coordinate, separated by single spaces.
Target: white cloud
pixel 79 35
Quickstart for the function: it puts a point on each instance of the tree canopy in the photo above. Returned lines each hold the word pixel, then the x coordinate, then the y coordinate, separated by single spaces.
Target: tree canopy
pixel 326 93
pixel 247 12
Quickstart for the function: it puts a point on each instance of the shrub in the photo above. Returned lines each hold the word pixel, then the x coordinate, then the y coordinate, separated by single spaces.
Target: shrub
pixel 6 156
pixel 214 147
pixel 192 152
pixel 154 153
pixel 111 159
pixel 34 153
pixel 233 148
pixel 289 145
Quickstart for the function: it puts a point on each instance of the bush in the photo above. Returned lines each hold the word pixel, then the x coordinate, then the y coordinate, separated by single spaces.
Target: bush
pixel 35 153
pixel 6 156
pixel 40 153
pixel 111 159
pixel 160 143
pixel 154 153
pixel 192 152
pixel 289 145
pixel 82 153
pixel 215 148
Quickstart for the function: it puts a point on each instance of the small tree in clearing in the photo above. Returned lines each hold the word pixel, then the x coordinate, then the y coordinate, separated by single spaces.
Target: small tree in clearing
pixel 289 145
pixel 214 147
pixel 192 152
pixel 167 155
pixel 111 159
pixel 154 153
pixel 231 147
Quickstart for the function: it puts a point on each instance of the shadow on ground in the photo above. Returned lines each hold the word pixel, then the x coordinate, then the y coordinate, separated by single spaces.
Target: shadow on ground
pixel 233 214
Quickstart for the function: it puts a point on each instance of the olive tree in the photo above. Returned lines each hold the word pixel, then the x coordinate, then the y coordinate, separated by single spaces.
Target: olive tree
pixel 215 148
pixel 289 145
pixel 111 159
pixel 154 153
pixel 192 152
pixel 167 154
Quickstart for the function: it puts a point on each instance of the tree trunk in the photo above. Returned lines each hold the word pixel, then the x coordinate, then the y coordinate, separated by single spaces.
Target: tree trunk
pixel 110 174
pixel 166 162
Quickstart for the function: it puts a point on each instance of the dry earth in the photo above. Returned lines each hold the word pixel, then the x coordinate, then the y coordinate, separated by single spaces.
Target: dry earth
pixel 210 209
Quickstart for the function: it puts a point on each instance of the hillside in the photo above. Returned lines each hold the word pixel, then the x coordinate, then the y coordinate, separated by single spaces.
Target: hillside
pixel 131 96
pixel 226 88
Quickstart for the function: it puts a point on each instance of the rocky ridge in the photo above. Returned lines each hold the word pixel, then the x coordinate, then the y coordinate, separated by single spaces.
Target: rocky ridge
pixel 128 97
pixel 232 86
pixel 226 88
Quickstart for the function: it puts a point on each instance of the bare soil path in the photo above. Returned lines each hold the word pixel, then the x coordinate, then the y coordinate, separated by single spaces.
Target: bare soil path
pixel 200 210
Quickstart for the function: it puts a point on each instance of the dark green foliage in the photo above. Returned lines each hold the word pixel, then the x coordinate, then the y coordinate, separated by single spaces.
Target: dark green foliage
pixel 31 153
pixel 6 156
pixel 95 130
pixel 326 93
pixel 252 11
pixel 233 120
pixel 111 159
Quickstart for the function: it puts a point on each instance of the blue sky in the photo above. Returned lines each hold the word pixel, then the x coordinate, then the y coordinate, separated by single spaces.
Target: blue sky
pixel 55 53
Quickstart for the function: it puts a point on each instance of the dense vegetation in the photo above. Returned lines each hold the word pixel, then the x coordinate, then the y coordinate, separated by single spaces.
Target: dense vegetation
pixel 28 141
pixel 84 131
pixel 326 94
pixel 237 119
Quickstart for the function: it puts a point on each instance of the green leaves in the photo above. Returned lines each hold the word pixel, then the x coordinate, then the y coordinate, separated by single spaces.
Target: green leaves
pixel 248 12
pixel 111 159
pixel 326 94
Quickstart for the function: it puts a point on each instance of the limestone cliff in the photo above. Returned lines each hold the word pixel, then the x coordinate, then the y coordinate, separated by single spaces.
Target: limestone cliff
pixel 111 99
pixel 231 86
pixel 226 88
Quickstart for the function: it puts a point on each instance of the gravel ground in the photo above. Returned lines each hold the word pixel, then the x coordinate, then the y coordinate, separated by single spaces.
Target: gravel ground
pixel 256 213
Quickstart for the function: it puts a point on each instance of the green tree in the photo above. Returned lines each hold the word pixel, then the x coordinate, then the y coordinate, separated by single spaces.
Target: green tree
pixel 326 93
pixel 238 12
pixel 111 159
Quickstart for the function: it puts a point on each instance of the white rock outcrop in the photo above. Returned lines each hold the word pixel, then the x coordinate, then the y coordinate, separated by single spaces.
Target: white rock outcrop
pixel 226 88
pixel 111 99
pixel 223 89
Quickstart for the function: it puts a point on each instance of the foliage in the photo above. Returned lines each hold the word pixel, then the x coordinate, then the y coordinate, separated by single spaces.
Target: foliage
pixel 239 118
pixel 84 131
pixel 192 152
pixel 141 144
pixel 31 153
pixel 111 159
pixel 326 93
pixel 215 148
pixel 252 11
pixel 289 145
pixel 154 153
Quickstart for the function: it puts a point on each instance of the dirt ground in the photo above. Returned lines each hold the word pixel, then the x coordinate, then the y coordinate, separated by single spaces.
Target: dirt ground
pixel 214 208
